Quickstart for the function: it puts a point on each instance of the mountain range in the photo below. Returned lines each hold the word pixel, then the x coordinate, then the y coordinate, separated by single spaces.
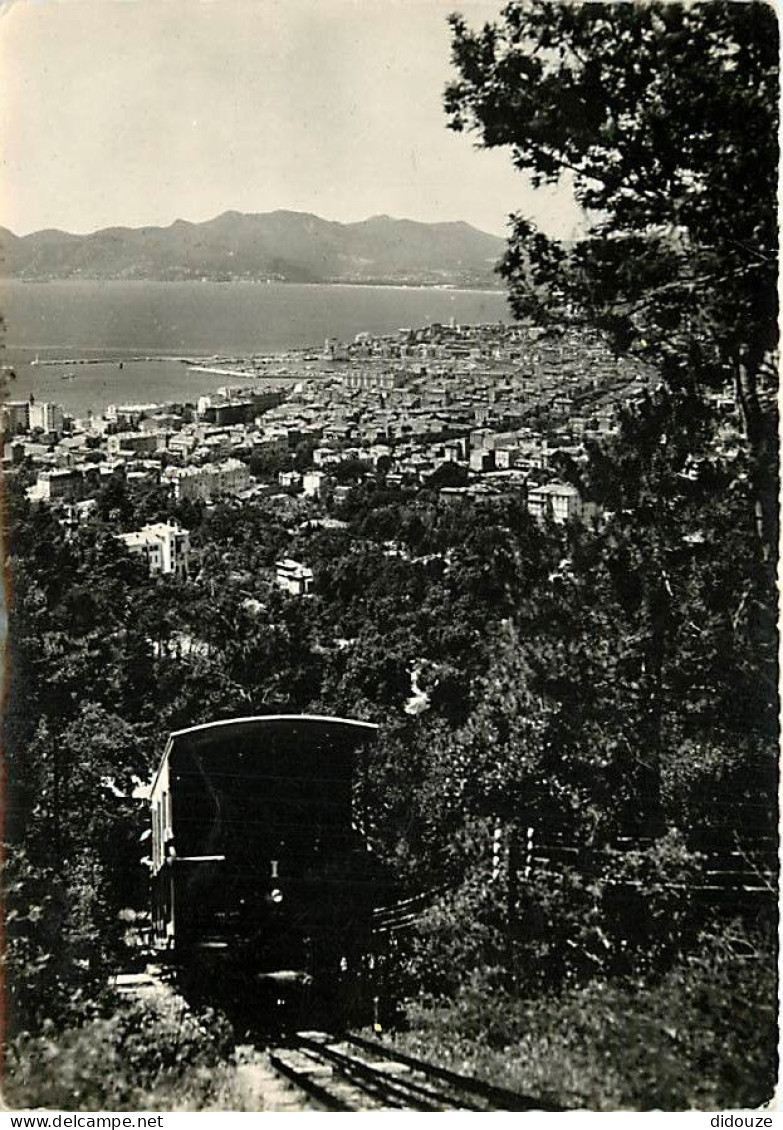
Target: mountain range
pixel 277 246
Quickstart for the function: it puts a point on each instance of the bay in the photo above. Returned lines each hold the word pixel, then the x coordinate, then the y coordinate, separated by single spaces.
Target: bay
pixel 115 320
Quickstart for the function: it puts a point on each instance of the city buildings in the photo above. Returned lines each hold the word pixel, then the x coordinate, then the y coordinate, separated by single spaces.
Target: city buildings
pixel 496 402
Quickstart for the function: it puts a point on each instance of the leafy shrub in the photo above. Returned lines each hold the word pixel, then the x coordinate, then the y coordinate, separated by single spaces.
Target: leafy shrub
pixel 147 1055
pixel 56 961
pixel 649 907
pixel 459 937
pixel 612 911
pixel 703 1036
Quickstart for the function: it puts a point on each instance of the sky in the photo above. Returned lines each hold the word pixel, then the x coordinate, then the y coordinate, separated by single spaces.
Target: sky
pixel 139 112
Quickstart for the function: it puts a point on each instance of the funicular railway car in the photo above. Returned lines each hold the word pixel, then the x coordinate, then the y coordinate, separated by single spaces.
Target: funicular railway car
pixel 258 870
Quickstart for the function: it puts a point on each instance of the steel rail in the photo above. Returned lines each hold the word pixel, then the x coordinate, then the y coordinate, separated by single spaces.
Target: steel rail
pixel 500 1097
pixel 407 1091
pixel 305 1083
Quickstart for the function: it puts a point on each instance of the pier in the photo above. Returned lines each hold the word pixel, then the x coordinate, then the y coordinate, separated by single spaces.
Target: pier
pixel 220 372
pixel 36 363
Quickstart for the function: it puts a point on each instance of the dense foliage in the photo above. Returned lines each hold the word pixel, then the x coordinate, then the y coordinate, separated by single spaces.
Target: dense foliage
pixel 592 682
pixel 150 1055
pixel 702 1036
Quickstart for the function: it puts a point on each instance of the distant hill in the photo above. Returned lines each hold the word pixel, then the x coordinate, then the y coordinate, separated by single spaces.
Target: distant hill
pixel 281 246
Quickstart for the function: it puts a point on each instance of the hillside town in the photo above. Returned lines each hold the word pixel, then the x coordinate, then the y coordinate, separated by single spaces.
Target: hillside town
pixel 468 410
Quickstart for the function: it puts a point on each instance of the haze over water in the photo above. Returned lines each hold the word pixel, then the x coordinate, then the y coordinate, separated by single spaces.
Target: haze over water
pixel 119 319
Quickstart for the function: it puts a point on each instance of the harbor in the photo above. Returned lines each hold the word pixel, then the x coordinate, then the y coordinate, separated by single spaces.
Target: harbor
pixel 55 361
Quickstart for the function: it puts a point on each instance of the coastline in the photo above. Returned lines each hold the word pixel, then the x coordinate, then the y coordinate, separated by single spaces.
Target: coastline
pixel 374 284
pixel 211 325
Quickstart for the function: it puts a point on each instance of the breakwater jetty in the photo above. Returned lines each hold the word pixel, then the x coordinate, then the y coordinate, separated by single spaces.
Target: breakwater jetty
pixel 37 362
pixel 221 371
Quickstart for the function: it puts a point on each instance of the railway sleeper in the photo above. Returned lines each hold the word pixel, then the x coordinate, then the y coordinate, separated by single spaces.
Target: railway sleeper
pixel 398 1090
pixel 301 1076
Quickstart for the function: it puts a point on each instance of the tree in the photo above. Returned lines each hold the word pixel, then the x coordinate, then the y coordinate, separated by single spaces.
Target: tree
pixel 448 475
pixel 303 454
pixel 351 470
pixel 72 864
pixel 114 503
pixel 267 464
pixel 663 118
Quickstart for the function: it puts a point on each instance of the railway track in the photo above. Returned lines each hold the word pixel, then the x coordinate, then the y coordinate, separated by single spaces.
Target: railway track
pixel 350 1073
pixel 316 1070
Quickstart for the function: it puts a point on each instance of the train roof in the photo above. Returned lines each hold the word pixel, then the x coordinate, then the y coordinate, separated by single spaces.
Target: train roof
pixel 198 735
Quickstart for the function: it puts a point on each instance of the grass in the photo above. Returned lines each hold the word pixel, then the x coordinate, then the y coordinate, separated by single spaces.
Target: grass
pixel 703 1036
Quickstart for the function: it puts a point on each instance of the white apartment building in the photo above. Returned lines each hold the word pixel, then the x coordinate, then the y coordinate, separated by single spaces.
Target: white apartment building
pixel 506 457
pixel 313 483
pixel 560 501
pixel 48 417
pixel 291 480
pixel 293 577
pixel 164 546
pixel 326 457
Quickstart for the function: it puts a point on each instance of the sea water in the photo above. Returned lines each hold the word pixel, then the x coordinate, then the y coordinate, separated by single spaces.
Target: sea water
pixel 116 320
